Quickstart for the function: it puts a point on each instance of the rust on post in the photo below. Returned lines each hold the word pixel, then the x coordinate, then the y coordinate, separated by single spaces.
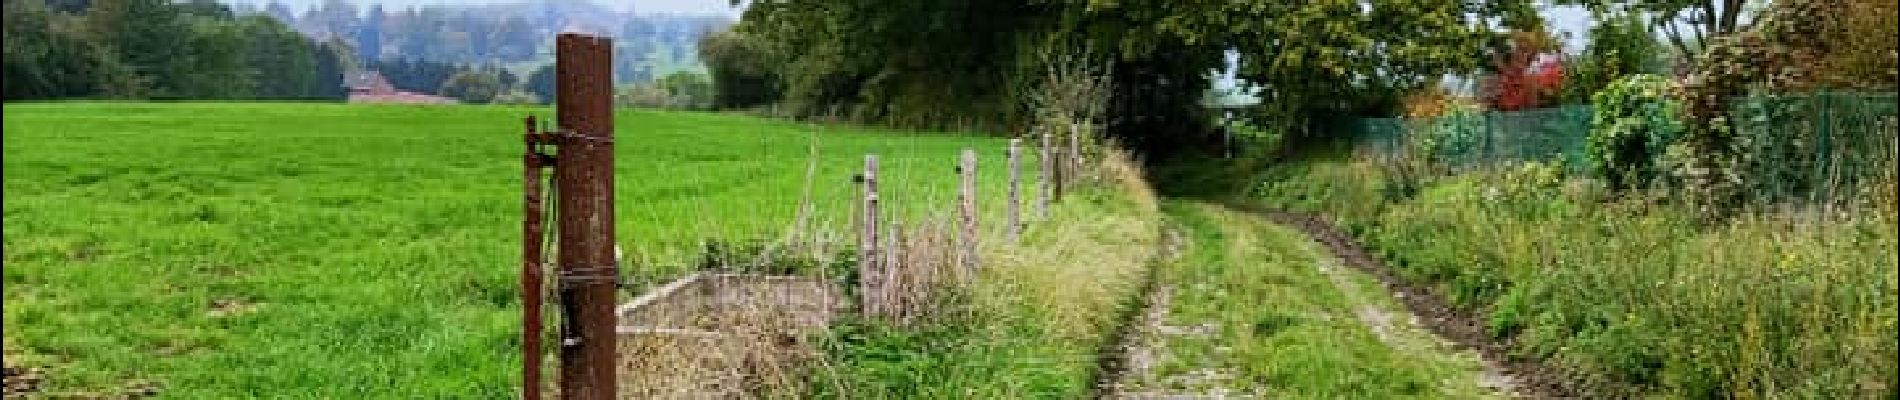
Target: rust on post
pixel 532 236
pixel 868 255
pixel 585 227
pixel 1013 211
pixel 966 206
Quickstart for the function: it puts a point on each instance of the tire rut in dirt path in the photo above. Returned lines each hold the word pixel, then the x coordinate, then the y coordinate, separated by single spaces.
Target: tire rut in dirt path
pixel 1527 378
pixel 1253 310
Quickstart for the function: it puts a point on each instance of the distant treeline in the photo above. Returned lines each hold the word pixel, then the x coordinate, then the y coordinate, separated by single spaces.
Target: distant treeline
pixel 514 34
pixel 140 49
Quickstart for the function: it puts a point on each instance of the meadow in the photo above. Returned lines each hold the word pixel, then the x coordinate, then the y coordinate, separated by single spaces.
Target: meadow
pixel 216 250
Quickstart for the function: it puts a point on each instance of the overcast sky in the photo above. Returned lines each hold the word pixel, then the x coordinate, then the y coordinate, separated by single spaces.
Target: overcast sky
pixel 1562 19
pixel 683 7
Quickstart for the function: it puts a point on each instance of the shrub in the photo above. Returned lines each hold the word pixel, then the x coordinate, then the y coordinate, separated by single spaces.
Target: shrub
pixel 1636 119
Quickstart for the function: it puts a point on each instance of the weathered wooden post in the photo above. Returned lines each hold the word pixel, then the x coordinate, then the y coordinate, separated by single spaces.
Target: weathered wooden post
pixel 584 180
pixel 868 268
pixel 893 269
pixel 966 204
pixel 1075 151
pixel 1051 181
pixel 1013 212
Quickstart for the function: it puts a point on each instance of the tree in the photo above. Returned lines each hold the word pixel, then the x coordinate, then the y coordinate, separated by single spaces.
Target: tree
pixel 283 61
pixel 939 61
pixel 472 86
pixel 541 83
pixel 146 35
pixel 1620 45
pixel 49 55
pixel 369 37
pixel 1689 24
pixel 331 63
pixel 687 90
pixel 212 64
pixel 1527 73
pixel 743 74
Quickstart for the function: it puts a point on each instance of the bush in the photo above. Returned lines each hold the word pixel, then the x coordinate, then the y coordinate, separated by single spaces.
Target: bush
pixel 1636 119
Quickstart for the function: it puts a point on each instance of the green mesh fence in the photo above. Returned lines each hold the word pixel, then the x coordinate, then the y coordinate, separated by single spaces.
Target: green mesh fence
pixel 1822 146
pixel 1471 140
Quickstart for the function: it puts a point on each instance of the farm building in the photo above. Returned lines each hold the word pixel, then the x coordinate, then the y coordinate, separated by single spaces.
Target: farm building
pixel 370 87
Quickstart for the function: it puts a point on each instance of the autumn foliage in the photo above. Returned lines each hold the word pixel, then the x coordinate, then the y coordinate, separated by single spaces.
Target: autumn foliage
pixel 1528 72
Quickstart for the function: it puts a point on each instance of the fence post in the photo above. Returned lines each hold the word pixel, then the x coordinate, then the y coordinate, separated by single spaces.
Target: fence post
pixel 868 269
pixel 892 268
pixel 585 182
pixel 1045 176
pixel 966 203
pixel 1013 211
pixel 533 236
pixel 1075 151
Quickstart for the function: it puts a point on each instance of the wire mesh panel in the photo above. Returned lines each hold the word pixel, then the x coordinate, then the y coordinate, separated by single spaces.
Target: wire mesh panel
pixel 1819 147
pixel 1814 147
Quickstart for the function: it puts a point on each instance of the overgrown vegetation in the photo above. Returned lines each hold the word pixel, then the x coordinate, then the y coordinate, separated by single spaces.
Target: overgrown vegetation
pixel 1632 296
pixel 1033 323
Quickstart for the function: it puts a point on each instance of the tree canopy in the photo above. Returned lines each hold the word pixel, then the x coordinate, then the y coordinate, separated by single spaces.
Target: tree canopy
pixel 939 62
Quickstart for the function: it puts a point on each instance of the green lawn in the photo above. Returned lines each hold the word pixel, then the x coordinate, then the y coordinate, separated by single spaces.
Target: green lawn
pixel 344 251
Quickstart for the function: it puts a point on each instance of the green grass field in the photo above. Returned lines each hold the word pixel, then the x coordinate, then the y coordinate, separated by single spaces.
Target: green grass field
pixel 340 251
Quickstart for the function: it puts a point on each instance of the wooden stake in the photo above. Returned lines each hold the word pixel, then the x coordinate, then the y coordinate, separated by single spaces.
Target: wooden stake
pixel 868 268
pixel 966 203
pixel 1013 211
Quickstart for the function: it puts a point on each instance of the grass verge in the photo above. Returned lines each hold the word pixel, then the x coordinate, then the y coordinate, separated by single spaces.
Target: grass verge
pixel 1631 297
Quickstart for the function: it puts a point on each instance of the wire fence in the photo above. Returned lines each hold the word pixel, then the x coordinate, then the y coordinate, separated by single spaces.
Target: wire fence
pixel 1812 147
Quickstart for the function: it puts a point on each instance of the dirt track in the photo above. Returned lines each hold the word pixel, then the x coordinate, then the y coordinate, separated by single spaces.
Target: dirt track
pixel 1531 379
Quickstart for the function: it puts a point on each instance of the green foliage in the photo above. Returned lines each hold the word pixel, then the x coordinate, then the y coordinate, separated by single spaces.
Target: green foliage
pixel 282 62
pixel 1688 24
pixel 744 74
pixel 156 48
pixel 472 86
pixel 932 61
pixel 1449 139
pixel 1636 119
pixel 687 90
pixel 1621 44
pixel 53 55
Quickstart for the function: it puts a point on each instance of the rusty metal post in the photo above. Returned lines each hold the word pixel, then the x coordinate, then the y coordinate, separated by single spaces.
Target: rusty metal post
pixel 583 66
pixel 966 206
pixel 1013 212
pixel 533 233
pixel 869 294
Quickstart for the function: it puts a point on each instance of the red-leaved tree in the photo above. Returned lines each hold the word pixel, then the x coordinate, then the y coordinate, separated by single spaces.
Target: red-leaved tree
pixel 1528 73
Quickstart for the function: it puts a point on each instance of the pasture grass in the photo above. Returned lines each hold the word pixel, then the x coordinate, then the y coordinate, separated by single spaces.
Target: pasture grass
pixel 220 250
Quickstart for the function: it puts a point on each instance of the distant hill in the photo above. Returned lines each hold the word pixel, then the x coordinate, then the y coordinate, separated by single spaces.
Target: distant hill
pixel 514 35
